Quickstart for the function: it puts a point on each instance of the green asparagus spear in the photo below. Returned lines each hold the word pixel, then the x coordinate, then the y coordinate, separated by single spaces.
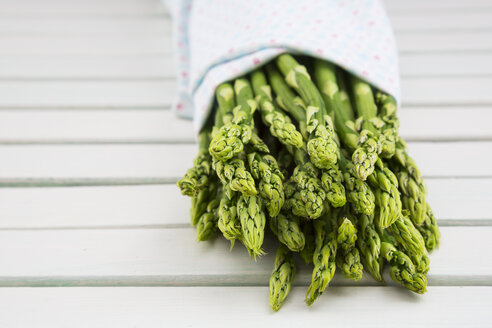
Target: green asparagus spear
pixel 200 202
pixel 402 270
pixel 229 140
pixel 207 223
pixel 385 187
pixel 412 196
pixel 307 252
pixel 197 177
pixel 332 182
pixel 359 194
pixel 233 173
pixel 282 276
pixel 321 145
pixel 304 194
pixel 348 258
pixel 288 231
pixel 324 257
pixel 265 169
pixel 407 235
pixel 369 245
pixel 366 154
pixel 387 113
pixel 252 218
pixel 229 223
pixel 429 230
pixel 279 123
pixel 336 102
pixel 403 159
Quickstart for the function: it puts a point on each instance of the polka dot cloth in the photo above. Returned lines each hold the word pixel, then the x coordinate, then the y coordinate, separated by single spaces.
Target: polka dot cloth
pixel 217 40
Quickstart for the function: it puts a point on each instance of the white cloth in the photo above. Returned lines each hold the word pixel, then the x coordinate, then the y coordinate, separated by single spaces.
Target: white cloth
pixel 218 40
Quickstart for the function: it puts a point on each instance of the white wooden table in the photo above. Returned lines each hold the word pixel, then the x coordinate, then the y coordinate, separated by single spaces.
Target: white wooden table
pixel 94 233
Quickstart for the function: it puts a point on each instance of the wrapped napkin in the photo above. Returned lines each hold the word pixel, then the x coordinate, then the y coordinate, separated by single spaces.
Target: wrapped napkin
pixel 219 40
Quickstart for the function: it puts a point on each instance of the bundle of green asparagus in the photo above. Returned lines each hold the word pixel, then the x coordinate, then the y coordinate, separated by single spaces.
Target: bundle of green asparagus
pixel 312 153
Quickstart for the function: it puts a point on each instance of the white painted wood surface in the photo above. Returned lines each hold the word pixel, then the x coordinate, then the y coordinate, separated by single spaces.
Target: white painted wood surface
pixel 220 307
pixel 90 153
pixel 171 256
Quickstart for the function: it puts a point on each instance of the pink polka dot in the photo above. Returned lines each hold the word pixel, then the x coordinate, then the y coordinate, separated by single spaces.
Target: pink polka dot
pixel 365 73
pixel 179 106
pixel 371 23
pixel 272 41
pixel 356 12
pixel 334 35
pixel 180 44
pixel 183 58
pixel 377 57
pixel 256 61
pixel 320 51
pixel 184 74
pixel 230 50
pixel 247 27
pixel 188 7
pixel 289 24
pixel 318 21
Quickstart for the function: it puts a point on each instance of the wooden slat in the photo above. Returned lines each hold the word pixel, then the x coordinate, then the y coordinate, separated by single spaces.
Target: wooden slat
pixel 173 257
pixel 26 162
pixel 441 91
pixel 403 22
pixel 87 94
pixel 151 306
pixel 151 67
pixel 134 94
pixel 436 5
pixel 48 68
pixel 446 64
pixel 118 126
pixel 445 42
pixel 74 26
pixel 120 44
pixel 454 201
pixel 91 8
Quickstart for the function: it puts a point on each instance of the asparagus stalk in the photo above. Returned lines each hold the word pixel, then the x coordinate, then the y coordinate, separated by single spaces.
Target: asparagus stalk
pixel 307 252
pixel 385 186
pixel 369 245
pixel 304 193
pixel 197 177
pixel 387 113
pixel 265 169
pixel 321 145
pixel 348 258
pixel 332 182
pixel 324 257
pixel 279 123
pixel 229 223
pixel 366 154
pixel 429 230
pixel 402 269
pixel 407 235
pixel 412 196
pixel 232 173
pixel 229 140
pixel 282 276
pixel 252 218
pixel 403 159
pixel 288 231
pixel 207 223
pixel 200 202
pixel 336 101
pixel 359 194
